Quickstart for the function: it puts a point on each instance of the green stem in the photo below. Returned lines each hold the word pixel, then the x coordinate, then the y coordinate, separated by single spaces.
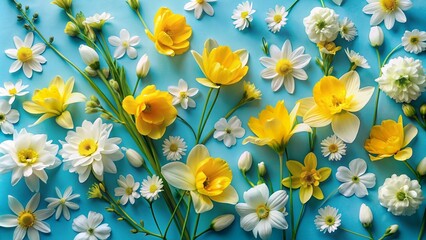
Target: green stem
pixel 390 54
pixel 155 219
pixel 173 214
pixel 370 233
pixel 246 178
pixel 186 217
pixel 329 196
pixel 355 233
pixel 201 233
pixel 136 86
pixel 203 113
pixel 302 211
pixel 376 105
pixel 197 220
pixel 291 195
pixel 142 21
pixel 291 6
pixel 188 125
pixel 280 156
pixel 322 3
pixel 208 114
pixel 312 139
pixel 412 170
pixel 422 228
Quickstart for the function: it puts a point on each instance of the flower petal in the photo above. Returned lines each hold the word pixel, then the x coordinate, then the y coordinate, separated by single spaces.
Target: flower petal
pixel 201 203
pixel 404 154
pixel 179 175
pixel 229 196
pixel 345 126
pixel 410 131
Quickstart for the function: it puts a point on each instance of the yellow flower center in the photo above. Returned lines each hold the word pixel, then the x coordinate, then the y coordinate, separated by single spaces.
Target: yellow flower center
pixel 310 177
pixel 333 148
pixel 284 67
pixel 278 18
pixel 125 44
pixel 200 1
pixel 330 220
pixel 153 188
pixel 26 219
pixel 262 211
pixel 244 14
pixel 401 196
pixel 62 201
pixel 330 95
pixel 25 54
pixel 147 108
pixel 183 95
pixel 129 191
pixel 13 91
pixel 212 176
pixel 173 147
pixel 414 40
pixel 345 30
pixel 389 5
pixel 87 147
pixel 393 140
pixel 27 156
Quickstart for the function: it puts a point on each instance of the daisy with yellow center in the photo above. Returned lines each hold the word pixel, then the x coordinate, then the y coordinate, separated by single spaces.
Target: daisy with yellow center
pixel 13 90
pixel 276 18
pixel 200 6
pixel 387 11
pixel 127 190
pixel 152 187
pixel 333 148
pixel 414 41
pixel 174 148
pixel 242 15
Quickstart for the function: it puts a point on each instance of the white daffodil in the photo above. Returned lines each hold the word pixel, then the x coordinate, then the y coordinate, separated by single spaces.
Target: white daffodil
pixel 8 117
pixel 200 6
pixel 356 59
pixel 228 132
pixel 27 56
pixel 276 18
pixel 284 66
pixel 328 219
pixel 90 227
pixel 243 15
pixel 333 148
pixel 28 220
pixel 125 44
pixel 98 20
pixel 63 203
pixel 151 187
pixel 143 66
pixel 127 190
pixel 12 90
pixel 414 41
pixel 355 180
pixel 387 10
pixel 348 30
pixel 182 95
pixel 261 212
pixel 174 148
pixel 322 25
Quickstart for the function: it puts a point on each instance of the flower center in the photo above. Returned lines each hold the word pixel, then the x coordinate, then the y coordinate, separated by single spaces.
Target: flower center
pixel 414 40
pixel 25 54
pixel 333 148
pixel 62 200
pixel 183 95
pixel 13 91
pixel 90 231
pixel 153 188
pixel 200 1
pixel 125 44
pixel 389 5
pixel 87 147
pixel 278 18
pixel 228 130
pixel 147 108
pixel 2 118
pixel 27 156
pixel 26 219
pixel 401 196
pixel 284 67
pixel 330 220
pixel 262 211
pixel 403 81
pixel 129 191
pixel 345 30
pixel 310 177
pixel 355 179
pixel 173 147
pixel 321 24
pixel 244 14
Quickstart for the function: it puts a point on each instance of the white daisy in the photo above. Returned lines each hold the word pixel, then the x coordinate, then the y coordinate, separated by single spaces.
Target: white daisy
pixel 243 15
pixel 181 94
pixel 414 41
pixel 125 44
pixel 151 187
pixel 355 180
pixel 276 18
pixel 387 10
pixel 199 6
pixel 27 155
pixel 284 65
pixel 27 220
pixel 356 59
pixel 174 148
pixel 328 219
pixel 261 212
pixel 89 149
pixel 98 20
pixel 228 132
pixel 348 30
pixel 12 90
pixel 322 25
pixel 333 147
pixel 90 227
pixel 63 203
pixel 8 117
pixel 127 190
pixel 27 56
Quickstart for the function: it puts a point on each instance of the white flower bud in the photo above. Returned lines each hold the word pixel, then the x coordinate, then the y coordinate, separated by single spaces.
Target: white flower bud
pixel 261 168
pixel 135 159
pixel 365 216
pixel 142 68
pixel 421 168
pixel 245 161
pixel 376 36
pixel 222 222
pixel 391 229
pixel 90 56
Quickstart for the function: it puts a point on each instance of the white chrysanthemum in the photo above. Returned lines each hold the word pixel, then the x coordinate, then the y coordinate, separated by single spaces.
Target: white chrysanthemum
pixel 27 56
pixel 90 227
pixel 151 187
pixel 63 203
pixel 355 180
pixel 403 79
pixel 12 90
pixel 414 41
pixel 125 44
pixel 322 25
pixel 174 148
pixel 228 131
pixel 276 18
pixel 243 15
pixel 356 59
pixel 387 10
pixel 28 155
pixel 8 117
pixel 200 6
pixel 127 189
pixel 348 30
pixel 181 94
pixel 98 20
pixel 401 195
pixel 89 149
pixel 328 219
pixel 284 66
pixel 333 147
pixel 261 212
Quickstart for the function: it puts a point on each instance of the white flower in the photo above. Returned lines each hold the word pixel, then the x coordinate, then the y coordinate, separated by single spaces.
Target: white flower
pixel 124 44
pixel 356 59
pixel 354 179
pixel 387 10
pixel 90 228
pixel 284 65
pixel 365 215
pixel 174 148
pixel 221 222
pixel 276 18
pixel 135 159
pixel 142 68
pixel 401 195
pixel 262 212
pixel 338 2
pixel 8 117
pixel 181 94
pixel 127 190
pixel 63 203
pixel 376 36
pixel 414 41
pixel 403 79
pixel 199 6
pixel 98 20
pixel 89 149
pixel 245 161
pixel 322 25
pixel 243 15
pixel 27 56
pixel 27 220
pixel 27 155
pixel 90 57
pixel 333 147
pixel 228 132
pixel 348 30
pixel 328 219
pixel 12 90
pixel 151 187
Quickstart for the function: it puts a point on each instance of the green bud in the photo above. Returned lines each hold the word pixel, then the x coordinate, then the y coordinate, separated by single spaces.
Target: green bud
pixel 423 110
pixel 114 85
pixel 71 29
pixel 408 110
pixel 91 104
pixel 95 99
pixel 51 39
pixel 133 231
pixel 264 46
pixel 120 219
pixel 106 116
pixel 79 17
pixel 134 4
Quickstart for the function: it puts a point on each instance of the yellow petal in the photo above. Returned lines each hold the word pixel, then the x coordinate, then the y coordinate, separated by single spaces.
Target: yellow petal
pixel 360 99
pixel 244 56
pixel 229 196
pixel 404 154
pixel 294 167
pixel 207 83
pixel 33 108
pixel 316 117
pixel 199 59
pixel 317 193
pixel 75 98
pixel 198 154
pixel 257 141
pixel 305 105
pixel 310 161
pixel 352 81
pixel 178 175
pixel 42 118
pixel 295 182
pixel 378 157
pixel 201 203
pixel 305 193
pixel 65 120
pixel 324 173
pixel 130 105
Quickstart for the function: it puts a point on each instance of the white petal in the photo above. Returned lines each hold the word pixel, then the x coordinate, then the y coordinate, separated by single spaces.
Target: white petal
pixel 277 200
pixel 257 195
pixel 8 220
pixel 132 53
pixel 263 228
pixel 114 41
pixel 119 52
pixel 268 73
pixel 249 222
pixel 358 166
pixel 347 189
pixel 179 175
pixel 33 234
pixel 201 203
pixel 345 126
pixel 277 220
pixel 33 203
pixel 16 65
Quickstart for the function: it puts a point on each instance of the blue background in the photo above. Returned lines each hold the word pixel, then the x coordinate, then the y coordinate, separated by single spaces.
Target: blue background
pixel 166 71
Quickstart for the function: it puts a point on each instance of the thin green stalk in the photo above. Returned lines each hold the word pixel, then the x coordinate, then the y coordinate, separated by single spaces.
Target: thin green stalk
pixel 201 233
pixel 376 105
pixel 248 180
pixel 197 220
pixel 203 113
pixel 280 156
pixel 136 86
pixel 208 114
pixel 188 211
pixel 155 219
pixel 173 214
pixel 412 170
pixel 422 228
pixel 390 54
pixel 329 196
pixel 370 233
pixel 302 211
pixel 291 6
pixel 291 195
pixel 322 3
pixel 355 233
pixel 188 125
pixel 312 139
pixel 142 21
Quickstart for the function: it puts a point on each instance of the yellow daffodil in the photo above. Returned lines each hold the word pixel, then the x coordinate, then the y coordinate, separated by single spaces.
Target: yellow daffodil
pixel 53 102
pixel 328 47
pixel 333 102
pixel 220 64
pixel 390 139
pixel 275 127
pixel 207 178
pixel 153 110
pixel 306 177
pixel 171 33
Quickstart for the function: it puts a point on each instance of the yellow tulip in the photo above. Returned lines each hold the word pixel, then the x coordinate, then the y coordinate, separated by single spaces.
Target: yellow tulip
pixel 390 139
pixel 171 33
pixel 53 102
pixel 153 110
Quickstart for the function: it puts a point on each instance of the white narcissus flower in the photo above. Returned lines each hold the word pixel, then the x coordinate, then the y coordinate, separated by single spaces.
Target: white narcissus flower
pixel 276 18
pixel 333 148
pixel 143 66
pixel 356 59
pixel 376 36
pixel 27 56
pixel 152 187
pixel 328 219
pixel 245 161
pixel 125 44
pixel 98 20
pixel 261 213
pixel 8 117
pixel 181 94
pixel 365 216
pixel 12 90
pixel 322 25
pixel 63 203
pixel 355 180
pixel 348 30
pixel 243 15
pixel 127 190
pixel 387 10
pixel 200 6
pixel 414 41
pixel 90 57
pixel 174 148
pixel 90 227
pixel 228 132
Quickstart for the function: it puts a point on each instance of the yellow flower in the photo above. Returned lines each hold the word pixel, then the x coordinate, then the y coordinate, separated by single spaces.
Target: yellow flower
pixel 251 92
pixel 153 110
pixel 333 101
pixel 206 178
pixel 328 47
pixel 53 102
pixel 306 177
pixel 65 4
pixel 390 139
pixel 171 33
pixel 220 64
pixel 275 127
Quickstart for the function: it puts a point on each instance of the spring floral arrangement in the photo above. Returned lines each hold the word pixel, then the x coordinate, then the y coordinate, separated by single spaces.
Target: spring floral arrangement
pixel 183 180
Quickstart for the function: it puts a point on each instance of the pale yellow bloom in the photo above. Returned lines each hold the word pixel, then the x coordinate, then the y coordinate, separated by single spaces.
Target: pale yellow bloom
pixel 65 4
pixel 251 92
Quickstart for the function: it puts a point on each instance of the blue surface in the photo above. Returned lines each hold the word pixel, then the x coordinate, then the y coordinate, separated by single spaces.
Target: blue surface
pixel 166 71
